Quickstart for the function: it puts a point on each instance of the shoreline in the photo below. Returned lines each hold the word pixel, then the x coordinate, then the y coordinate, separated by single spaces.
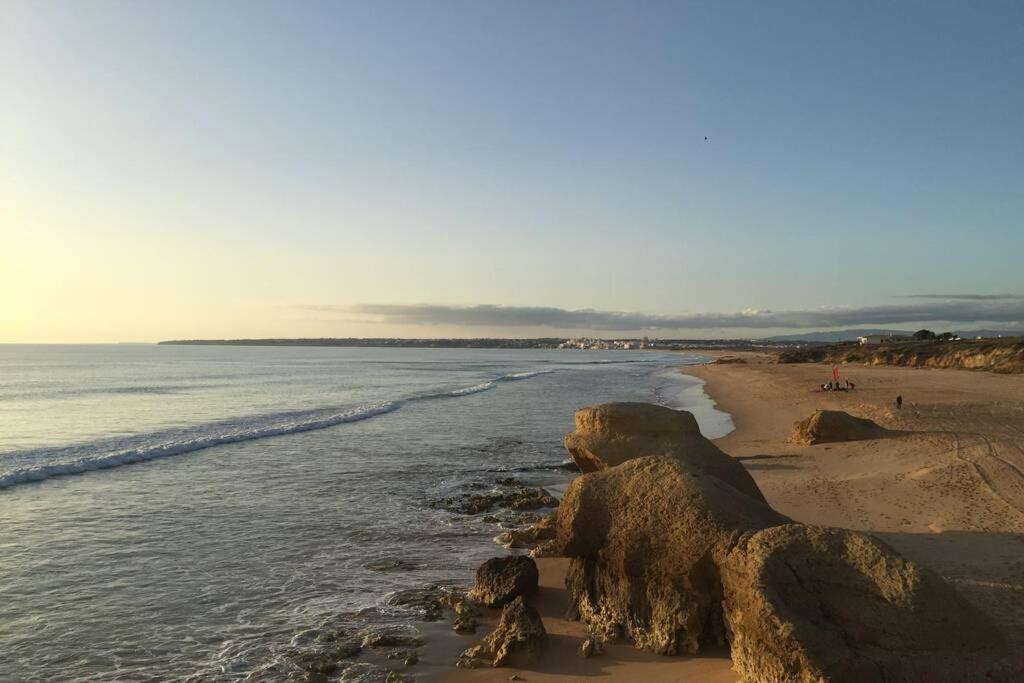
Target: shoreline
pixel 620 661
pixel 931 502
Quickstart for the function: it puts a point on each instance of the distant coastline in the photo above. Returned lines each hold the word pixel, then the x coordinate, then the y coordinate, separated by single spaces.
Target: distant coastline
pixel 488 343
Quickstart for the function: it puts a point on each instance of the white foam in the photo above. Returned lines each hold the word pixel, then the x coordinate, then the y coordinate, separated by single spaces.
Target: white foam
pixel 524 375
pixel 40 464
pixel 89 457
pixel 475 389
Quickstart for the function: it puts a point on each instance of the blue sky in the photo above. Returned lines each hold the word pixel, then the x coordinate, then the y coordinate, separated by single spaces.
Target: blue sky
pixel 294 169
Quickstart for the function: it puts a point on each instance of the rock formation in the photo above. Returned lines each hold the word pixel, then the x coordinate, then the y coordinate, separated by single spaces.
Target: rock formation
pixel 807 603
pixel 529 536
pixel 674 551
pixel 832 426
pixel 518 640
pixel 500 580
pixel 511 494
pixel 613 433
pixel 645 539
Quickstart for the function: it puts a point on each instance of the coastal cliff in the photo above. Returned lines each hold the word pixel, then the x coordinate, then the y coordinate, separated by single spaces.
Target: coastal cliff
pixel 994 355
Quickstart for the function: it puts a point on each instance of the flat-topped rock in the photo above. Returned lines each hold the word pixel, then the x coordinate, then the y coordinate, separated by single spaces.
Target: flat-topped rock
pixel 613 433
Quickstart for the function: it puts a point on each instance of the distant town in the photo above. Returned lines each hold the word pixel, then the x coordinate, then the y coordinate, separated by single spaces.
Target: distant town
pixel 587 343
pixel 861 337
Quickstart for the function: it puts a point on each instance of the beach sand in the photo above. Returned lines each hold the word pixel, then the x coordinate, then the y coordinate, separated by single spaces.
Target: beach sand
pixel 946 490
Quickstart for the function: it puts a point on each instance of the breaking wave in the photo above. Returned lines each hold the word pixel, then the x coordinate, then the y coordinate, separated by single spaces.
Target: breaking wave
pixel 33 465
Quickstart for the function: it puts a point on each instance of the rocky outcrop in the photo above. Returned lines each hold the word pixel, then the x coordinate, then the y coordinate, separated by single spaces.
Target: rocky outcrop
pixel 645 539
pixel 807 603
pixel 510 493
pixel 518 640
pixel 833 426
pixel 671 556
pixel 613 433
pixel 500 580
pixel 529 536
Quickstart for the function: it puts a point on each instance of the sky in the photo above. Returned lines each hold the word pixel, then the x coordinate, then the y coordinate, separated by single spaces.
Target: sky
pixel 517 169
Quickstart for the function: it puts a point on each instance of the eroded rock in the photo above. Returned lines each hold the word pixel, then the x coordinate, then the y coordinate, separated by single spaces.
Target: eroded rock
pixel 547 549
pixel 643 538
pixel 500 580
pixel 518 640
pixel 676 559
pixel 514 496
pixel 541 530
pixel 808 603
pixel 613 433
pixel 391 636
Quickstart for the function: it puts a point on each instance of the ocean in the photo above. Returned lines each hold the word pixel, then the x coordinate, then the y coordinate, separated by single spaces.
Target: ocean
pixel 205 513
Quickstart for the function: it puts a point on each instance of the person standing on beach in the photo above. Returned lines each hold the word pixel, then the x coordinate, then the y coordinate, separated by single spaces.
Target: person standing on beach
pixel 899 402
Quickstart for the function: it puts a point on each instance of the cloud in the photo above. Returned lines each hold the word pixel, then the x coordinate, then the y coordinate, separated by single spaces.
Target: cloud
pixel 962 310
pixel 966 297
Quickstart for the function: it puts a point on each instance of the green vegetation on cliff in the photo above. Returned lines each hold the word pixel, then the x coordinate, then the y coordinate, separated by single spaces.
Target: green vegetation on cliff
pixel 994 355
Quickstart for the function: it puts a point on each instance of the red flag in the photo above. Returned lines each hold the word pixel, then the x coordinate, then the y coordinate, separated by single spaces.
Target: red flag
pixel 835 373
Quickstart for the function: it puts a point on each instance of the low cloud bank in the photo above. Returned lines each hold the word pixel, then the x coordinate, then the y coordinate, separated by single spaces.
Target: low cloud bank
pixel 966 297
pixel 931 308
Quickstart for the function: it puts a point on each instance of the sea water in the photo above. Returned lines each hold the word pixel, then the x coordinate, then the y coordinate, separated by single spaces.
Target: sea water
pixel 189 512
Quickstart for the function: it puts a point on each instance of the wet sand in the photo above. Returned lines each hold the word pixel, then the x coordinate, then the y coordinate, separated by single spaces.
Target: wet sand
pixel 946 489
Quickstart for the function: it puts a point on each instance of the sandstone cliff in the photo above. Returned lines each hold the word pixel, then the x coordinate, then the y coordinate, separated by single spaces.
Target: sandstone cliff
pixel 995 355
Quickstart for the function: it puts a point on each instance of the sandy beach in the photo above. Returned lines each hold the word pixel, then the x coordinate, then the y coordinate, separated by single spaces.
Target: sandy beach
pixel 945 488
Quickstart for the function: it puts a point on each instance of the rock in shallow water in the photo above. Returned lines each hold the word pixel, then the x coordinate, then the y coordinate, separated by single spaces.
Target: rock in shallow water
pixel 500 580
pixel 542 530
pixel 518 640
pixel 391 636
pixel 515 496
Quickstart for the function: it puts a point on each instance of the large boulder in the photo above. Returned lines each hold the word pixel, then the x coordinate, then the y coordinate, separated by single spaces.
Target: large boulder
pixel 518 640
pixel 644 540
pixel 807 603
pixel 833 426
pixel 675 559
pixel 613 433
pixel 500 580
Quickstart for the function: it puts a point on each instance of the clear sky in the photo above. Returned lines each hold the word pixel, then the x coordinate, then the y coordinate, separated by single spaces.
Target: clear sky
pixel 227 169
